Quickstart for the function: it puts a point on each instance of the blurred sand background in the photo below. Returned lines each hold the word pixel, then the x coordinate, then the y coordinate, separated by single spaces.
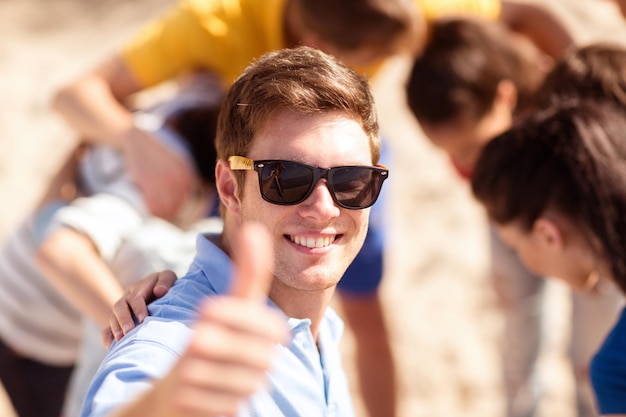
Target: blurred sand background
pixel 444 321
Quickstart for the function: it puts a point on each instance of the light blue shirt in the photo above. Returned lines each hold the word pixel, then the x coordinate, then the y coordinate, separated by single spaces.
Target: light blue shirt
pixel 303 381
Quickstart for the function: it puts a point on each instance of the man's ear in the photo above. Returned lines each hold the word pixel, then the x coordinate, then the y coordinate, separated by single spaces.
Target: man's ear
pixel 548 234
pixel 227 186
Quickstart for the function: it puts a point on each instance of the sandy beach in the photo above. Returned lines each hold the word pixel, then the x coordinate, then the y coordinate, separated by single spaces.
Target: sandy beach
pixel 444 320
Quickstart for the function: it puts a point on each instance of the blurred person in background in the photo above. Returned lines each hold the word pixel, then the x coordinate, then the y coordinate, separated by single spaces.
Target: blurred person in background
pixel 93 236
pixel 554 187
pixel 471 81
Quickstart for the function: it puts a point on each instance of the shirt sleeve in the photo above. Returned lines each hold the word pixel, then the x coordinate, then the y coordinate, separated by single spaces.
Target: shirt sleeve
pixel 163 48
pixel 105 219
pixel 132 365
pixel 221 36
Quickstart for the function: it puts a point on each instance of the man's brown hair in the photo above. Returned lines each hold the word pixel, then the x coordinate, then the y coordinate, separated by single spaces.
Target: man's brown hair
pixel 302 80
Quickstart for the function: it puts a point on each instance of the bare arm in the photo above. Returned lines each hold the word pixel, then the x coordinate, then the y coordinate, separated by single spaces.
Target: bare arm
pixel 539 24
pixel 93 106
pixel 72 264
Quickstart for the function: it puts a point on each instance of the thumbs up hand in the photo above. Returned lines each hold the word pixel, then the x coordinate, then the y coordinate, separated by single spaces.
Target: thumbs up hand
pixel 254 261
pixel 234 341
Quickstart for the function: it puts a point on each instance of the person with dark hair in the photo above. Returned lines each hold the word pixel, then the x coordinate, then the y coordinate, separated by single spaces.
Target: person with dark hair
pixel 471 81
pixel 92 243
pixel 465 85
pixel 595 71
pixel 555 187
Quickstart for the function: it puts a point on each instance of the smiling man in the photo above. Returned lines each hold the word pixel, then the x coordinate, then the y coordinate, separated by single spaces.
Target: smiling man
pixel 297 148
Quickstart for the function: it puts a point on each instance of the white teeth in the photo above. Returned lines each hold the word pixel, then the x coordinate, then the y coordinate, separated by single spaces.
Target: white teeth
pixel 313 242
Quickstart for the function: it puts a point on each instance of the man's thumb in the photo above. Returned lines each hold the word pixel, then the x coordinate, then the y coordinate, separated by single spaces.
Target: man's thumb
pixel 253 254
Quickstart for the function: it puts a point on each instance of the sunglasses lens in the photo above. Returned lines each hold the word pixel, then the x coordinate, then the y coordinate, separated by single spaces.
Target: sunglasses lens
pixel 355 187
pixel 287 183
pixel 284 182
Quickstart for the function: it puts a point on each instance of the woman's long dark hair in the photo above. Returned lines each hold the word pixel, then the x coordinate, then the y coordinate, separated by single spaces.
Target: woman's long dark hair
pixel 595 71
pixel 571 158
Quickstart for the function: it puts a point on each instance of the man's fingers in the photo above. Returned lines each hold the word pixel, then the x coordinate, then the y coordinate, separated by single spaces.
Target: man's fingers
pixel 254 262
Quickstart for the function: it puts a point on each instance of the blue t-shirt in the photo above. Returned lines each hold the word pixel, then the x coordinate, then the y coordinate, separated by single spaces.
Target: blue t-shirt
pixel 303 381
pixel 608 370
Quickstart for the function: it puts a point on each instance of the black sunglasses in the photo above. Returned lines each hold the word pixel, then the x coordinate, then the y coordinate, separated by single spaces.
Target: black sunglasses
pixel 287 182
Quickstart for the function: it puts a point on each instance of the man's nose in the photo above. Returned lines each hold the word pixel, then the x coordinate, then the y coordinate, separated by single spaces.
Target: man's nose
pixel 321 202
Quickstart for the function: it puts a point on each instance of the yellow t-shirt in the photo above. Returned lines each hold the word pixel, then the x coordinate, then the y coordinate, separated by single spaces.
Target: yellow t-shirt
pixel 222 36
pixel 225 36
pixel 433 9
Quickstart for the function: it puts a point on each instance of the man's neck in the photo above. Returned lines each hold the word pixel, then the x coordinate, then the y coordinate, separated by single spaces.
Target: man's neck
pixel 302 304
pixel 295 303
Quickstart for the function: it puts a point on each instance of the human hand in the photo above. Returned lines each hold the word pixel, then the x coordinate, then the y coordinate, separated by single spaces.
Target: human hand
pixel 134 302
pixel 164 178
pixel 234 340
